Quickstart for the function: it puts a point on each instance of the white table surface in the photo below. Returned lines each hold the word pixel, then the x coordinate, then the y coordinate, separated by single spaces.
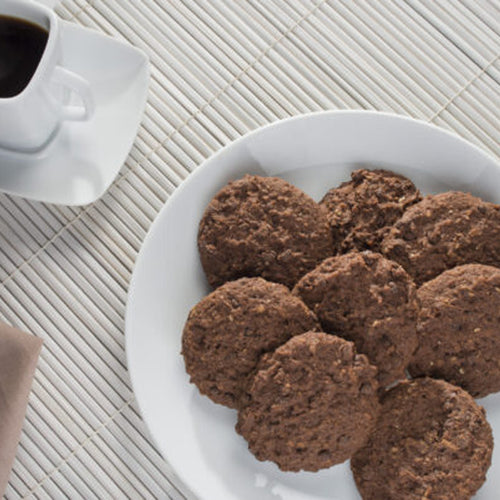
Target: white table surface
pixel 219 69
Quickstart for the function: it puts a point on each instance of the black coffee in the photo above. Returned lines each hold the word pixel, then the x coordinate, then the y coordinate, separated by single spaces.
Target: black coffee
pixel 21 47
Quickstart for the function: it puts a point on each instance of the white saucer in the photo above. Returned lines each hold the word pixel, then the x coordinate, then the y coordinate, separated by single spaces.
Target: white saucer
pixel 314 152
pixel 80 163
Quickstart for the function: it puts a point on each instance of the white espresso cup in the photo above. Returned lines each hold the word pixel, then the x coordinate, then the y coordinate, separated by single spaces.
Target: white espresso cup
pixel 30 119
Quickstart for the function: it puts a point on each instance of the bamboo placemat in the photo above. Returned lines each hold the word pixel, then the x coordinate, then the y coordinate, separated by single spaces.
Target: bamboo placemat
pixel 219 70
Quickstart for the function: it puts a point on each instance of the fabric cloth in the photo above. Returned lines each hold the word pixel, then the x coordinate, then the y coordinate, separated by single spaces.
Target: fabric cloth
pixel 18 358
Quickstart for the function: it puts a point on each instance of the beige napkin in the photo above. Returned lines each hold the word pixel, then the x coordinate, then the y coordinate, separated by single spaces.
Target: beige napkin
pixel 18 357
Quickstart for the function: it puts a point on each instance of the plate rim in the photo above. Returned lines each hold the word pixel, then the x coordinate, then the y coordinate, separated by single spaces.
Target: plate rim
pixel 139 262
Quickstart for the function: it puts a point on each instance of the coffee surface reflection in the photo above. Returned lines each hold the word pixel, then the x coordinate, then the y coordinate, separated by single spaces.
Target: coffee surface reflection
pixel 21 48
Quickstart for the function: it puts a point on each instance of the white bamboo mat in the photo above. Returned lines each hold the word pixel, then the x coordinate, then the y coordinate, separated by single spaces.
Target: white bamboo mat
pixel 219 69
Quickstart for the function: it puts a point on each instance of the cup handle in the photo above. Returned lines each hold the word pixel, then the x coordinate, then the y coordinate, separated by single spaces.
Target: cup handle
pixel 76 83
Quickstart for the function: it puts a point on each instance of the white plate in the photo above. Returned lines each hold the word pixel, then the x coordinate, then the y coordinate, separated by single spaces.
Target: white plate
pixel 314 152
pixel 80 163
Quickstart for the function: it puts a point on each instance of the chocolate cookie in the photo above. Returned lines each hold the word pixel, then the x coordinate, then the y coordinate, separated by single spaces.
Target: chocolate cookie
pixel 459 329
pixel 370 300
pixel 227 332
pixel 443 231
pixel 311 404
pixel 262 226
pixel 362 210
pixel 432 441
